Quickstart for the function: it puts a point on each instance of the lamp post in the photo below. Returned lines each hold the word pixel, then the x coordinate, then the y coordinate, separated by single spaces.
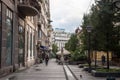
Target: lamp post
pixel 89 28
pixel 62 56
pixel 117 4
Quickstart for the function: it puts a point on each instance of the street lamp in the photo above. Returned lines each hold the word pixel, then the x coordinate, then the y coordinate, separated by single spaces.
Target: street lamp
pixel 62 56
pixel 89 28
pixel 117 4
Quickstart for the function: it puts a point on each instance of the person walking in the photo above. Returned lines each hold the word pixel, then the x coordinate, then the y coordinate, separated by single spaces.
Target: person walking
pixel 46 59
pixel 103 60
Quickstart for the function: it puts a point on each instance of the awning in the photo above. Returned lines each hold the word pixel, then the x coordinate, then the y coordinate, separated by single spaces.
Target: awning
pixel 65 52
pixel 43 47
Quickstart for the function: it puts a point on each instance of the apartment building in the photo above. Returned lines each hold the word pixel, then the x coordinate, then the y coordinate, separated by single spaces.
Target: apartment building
pixel 19 32
pixel 60 37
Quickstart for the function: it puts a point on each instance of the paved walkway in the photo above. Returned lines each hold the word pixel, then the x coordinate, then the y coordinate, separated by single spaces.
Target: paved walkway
pixel 51 72
pixel 41 72
pixel 85 75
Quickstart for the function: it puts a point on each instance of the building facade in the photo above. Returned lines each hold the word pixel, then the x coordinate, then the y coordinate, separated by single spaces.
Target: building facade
pixel 8 40
pixel 44 29
pixel 60 37
pixel 20 32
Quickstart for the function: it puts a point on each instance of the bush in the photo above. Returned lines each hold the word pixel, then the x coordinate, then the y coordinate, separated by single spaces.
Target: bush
pixel 78 56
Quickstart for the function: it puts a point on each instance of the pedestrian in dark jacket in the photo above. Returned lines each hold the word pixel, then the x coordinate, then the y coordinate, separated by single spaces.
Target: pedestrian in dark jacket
pixel 103 60
pixel 46 59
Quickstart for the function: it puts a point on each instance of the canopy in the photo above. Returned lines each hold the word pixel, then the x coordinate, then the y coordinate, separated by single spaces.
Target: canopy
pixel 65 52
pixel 43 48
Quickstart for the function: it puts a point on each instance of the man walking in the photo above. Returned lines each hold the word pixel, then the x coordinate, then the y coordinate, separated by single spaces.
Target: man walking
pixel 46 59
pixel 103 60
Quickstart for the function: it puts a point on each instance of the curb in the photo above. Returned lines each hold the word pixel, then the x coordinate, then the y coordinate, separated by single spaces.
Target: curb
pixel 72 73
pixel 65 73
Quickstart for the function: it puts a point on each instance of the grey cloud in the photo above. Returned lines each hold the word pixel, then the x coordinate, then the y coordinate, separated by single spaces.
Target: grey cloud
pixel 67 14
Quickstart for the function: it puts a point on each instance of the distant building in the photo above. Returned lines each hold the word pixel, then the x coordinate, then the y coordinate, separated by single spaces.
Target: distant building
pixel 60 37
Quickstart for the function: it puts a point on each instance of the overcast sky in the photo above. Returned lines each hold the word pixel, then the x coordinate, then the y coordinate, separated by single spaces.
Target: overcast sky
pixel 67 14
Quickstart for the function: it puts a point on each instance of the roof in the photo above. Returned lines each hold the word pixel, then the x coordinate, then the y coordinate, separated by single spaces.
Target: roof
pixel 65 52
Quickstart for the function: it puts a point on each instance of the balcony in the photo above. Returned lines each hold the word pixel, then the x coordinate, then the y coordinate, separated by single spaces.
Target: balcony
pixel 28 7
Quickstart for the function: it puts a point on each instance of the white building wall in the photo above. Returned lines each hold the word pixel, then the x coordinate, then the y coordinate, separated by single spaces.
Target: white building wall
pixel 60 38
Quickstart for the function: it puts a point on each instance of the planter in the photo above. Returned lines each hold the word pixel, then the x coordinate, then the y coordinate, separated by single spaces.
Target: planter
pixel 87 69
pixel 76 62
pixel 81 66
pixel 105 74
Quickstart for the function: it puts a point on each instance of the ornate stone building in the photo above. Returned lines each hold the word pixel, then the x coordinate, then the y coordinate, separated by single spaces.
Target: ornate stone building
pixel 22 24
pixel 60 37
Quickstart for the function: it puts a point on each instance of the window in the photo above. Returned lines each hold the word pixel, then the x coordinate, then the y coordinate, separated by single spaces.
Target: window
pixel 21 45
pixel 31 45
pixel 39 33
pixel 27 43
pixel 9 36
pixel 34 45
pixel 27 40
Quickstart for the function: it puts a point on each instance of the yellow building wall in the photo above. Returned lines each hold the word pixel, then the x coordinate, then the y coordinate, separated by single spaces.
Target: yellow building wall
pixel 99 55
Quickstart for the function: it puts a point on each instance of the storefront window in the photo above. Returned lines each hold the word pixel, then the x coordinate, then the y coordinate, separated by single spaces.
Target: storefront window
pixel 27 43
pixel 34 45
pixel 21 45
pixel 9 28
pixel 31 45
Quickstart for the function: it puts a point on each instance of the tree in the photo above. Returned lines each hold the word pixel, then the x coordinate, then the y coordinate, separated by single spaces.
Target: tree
pixel 72 43
pixel 54 48
pixel 105 27
pixel 84 35
pixel 101 19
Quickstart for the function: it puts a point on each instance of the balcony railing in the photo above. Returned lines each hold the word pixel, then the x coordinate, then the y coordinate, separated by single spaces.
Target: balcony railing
pixel 28 7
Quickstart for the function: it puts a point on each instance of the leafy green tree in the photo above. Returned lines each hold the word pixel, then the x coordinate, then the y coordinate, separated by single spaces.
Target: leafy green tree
pixel 103 34
pixel 54 48
pixel 84 35
pixel 105 27
pixel 78 55
pixel 72 43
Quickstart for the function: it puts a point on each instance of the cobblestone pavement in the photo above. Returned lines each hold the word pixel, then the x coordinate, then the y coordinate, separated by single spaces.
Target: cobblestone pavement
pixel 85 75
pixel 40 72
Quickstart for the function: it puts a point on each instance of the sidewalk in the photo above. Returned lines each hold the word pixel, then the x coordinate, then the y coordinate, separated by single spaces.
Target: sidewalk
pixel 85 75
pixel 51 72
pixel 40 72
